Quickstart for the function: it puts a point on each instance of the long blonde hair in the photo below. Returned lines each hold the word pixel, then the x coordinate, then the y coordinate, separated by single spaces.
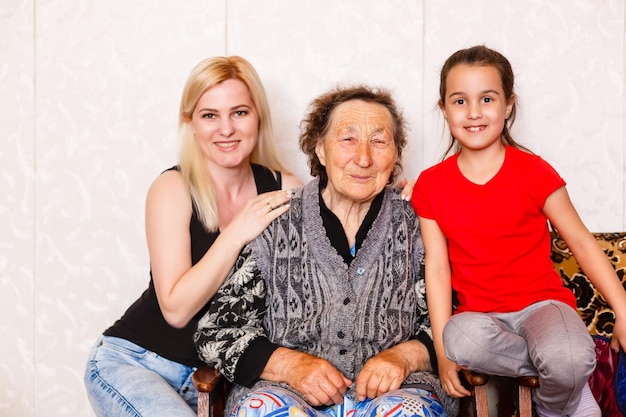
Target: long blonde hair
pixel 205 75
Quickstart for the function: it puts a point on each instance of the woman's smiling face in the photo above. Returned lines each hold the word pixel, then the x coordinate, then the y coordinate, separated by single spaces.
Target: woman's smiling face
pixel 359 152
pixel 226 124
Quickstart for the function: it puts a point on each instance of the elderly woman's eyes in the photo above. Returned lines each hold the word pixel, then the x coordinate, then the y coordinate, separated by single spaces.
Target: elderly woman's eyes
pixel 378 142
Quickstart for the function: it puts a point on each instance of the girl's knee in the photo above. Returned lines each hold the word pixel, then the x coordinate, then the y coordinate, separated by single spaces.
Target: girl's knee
pixel 467 336
pixel 570 370
pixel 573 362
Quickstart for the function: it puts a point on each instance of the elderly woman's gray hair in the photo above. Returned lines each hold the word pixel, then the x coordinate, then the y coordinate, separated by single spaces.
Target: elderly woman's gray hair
pixel 314 127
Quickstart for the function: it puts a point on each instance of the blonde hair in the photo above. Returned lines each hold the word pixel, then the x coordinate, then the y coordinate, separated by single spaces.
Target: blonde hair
pixel 205 75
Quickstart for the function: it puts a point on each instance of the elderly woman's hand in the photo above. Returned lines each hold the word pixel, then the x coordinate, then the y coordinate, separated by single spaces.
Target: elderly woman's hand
pixel 387 371
pixel 315 378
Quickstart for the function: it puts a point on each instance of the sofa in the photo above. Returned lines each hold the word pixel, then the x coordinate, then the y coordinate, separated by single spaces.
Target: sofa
pixel 594 310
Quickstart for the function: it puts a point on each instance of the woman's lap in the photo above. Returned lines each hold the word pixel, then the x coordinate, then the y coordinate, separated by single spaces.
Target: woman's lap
pixel 123 379
pixel 276 401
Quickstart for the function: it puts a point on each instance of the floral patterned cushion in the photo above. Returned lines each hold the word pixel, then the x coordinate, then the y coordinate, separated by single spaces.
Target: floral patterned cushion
pixel 592 306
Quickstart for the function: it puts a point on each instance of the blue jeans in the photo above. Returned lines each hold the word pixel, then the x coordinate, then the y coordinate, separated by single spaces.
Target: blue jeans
pixel 123 379
pixel 274 401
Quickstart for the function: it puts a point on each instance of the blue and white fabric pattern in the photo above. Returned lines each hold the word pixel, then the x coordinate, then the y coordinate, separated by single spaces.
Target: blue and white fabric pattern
pixel 275 401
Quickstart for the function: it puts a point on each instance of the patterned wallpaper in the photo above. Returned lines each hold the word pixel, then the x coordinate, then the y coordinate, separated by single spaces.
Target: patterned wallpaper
pixel 88 99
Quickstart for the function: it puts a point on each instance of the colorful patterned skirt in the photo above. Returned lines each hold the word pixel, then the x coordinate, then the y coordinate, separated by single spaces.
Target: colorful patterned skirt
pixel 276 401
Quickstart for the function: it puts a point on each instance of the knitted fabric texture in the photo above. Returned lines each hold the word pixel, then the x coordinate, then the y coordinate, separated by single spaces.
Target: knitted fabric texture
pixel 292 287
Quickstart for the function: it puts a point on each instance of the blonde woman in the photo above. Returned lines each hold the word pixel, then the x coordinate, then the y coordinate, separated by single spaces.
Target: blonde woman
pixel 227 187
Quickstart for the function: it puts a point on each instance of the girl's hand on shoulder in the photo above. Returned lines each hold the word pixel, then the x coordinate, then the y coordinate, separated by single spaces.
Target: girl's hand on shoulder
pixel 449 376
pixel 407 188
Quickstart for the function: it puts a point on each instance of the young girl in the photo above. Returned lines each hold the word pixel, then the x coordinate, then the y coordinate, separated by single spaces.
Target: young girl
pixel 483 214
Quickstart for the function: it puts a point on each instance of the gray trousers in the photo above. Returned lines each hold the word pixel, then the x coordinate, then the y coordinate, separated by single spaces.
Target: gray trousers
pixel 547 339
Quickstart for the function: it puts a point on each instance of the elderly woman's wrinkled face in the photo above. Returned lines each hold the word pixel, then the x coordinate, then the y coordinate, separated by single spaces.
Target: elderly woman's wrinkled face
pixel 359 152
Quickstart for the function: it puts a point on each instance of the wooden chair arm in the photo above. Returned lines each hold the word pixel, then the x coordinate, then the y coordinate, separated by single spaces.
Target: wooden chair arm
pixel 478 379
pixel 475 379
pixel 528 381
pixel 205 379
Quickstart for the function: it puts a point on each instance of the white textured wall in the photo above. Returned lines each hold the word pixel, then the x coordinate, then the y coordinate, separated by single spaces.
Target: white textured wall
pixel 88 98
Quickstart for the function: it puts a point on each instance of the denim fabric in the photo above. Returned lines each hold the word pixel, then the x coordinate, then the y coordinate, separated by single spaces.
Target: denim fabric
pixel 124 379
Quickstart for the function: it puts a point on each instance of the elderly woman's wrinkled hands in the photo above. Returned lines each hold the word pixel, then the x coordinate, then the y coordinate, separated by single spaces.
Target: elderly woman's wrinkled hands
pixel 387 371
pixel 315 378
pixel 257 214
pixel 382 373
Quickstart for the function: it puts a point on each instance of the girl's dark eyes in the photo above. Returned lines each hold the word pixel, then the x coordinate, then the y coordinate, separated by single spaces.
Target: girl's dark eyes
pixel 240 113
pixel 208 116
pixel 462 101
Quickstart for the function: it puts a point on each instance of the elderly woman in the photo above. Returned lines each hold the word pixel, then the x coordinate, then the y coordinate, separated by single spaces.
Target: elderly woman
pixel 325 311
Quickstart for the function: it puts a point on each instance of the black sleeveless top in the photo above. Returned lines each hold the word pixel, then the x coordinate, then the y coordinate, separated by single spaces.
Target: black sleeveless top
pixel 143 323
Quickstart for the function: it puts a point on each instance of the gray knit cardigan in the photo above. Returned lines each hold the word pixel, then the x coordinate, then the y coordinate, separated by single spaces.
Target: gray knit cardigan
pixel 289 287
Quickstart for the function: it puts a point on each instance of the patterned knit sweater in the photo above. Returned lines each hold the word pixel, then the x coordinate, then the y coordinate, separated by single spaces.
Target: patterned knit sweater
pixel 291 288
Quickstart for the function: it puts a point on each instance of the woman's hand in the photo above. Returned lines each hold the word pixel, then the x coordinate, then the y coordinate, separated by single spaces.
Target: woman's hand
pixel 256 215
pixel 387 371
pixel 449 376
pixel 182 289
pixel 382 373
pixel 315 378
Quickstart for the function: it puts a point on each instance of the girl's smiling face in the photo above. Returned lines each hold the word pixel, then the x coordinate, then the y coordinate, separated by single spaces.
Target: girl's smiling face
pixel 475 105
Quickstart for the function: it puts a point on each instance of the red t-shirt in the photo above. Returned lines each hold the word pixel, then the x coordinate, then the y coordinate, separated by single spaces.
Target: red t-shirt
pixel 498 238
